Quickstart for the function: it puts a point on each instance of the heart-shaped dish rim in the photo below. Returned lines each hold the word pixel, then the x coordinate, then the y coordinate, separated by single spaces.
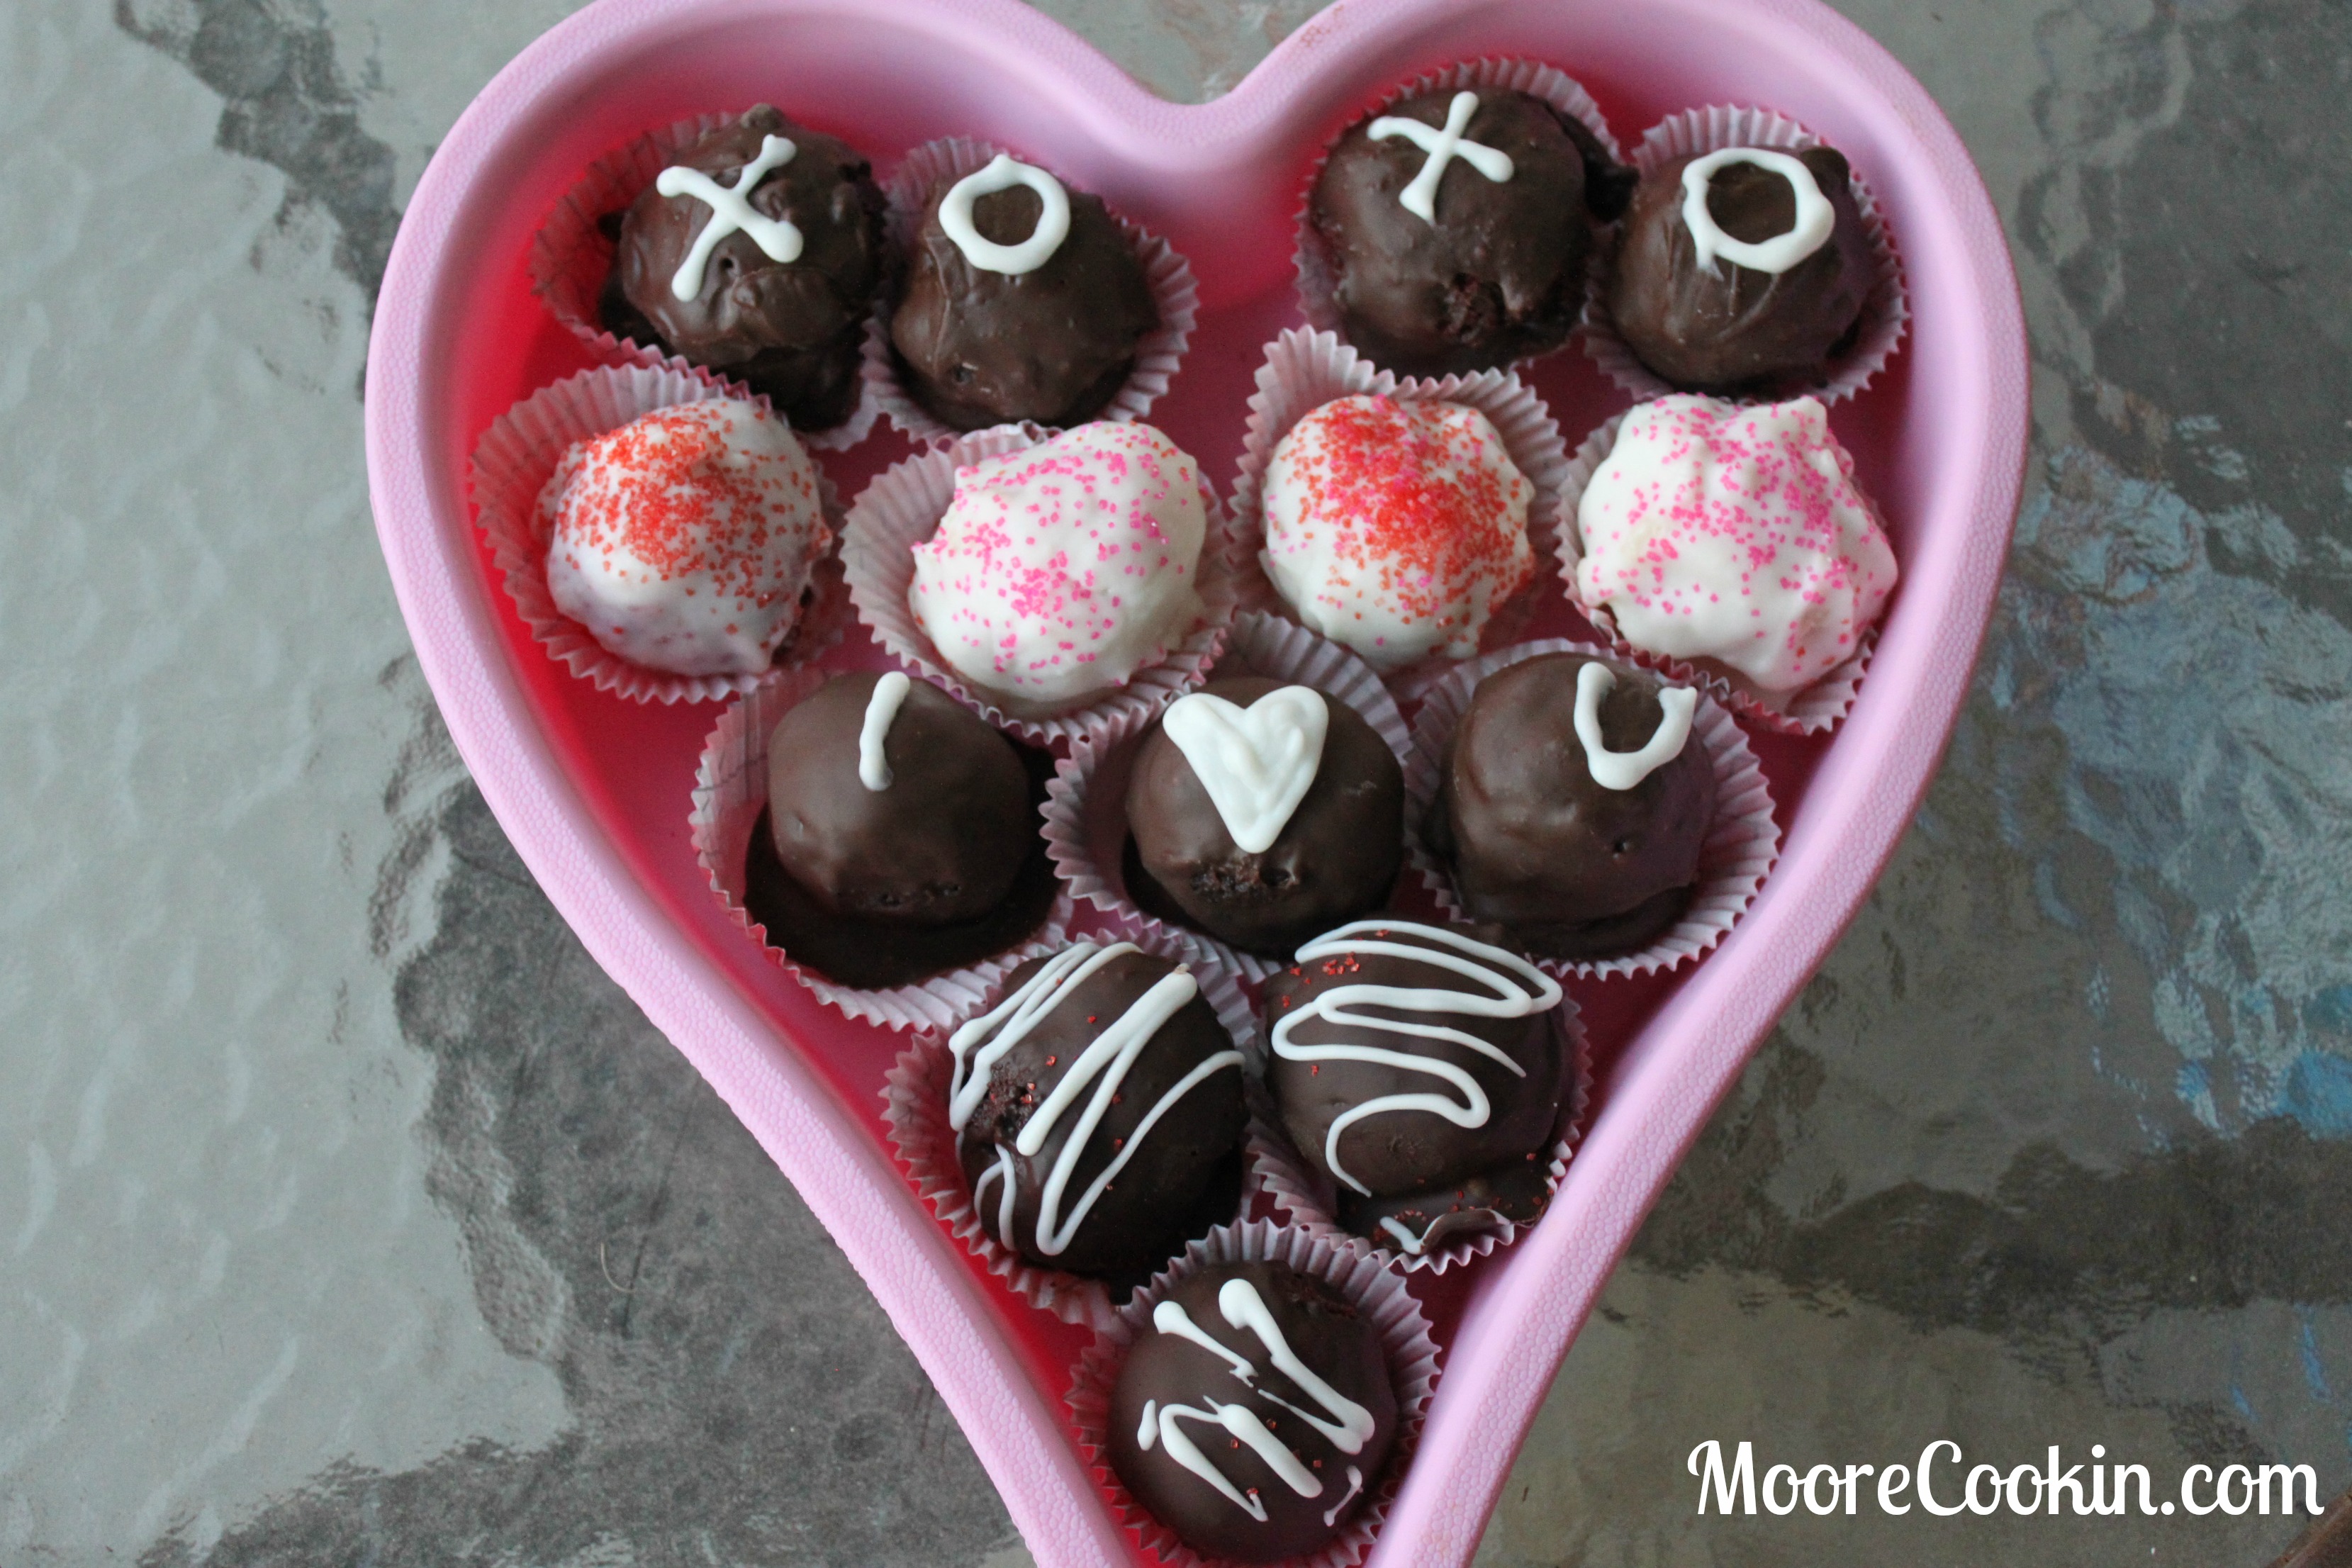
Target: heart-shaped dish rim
pixel 1527 1306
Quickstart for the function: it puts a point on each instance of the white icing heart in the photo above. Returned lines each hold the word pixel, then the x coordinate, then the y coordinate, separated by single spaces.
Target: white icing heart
pixel 1257 762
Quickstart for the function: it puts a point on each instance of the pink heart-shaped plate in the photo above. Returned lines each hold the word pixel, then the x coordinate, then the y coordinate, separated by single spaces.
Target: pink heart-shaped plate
pixel 594 791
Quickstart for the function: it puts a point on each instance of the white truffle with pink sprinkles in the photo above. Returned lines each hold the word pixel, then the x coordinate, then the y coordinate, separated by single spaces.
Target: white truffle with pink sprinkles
pixel 1061 570
pixel 1736 534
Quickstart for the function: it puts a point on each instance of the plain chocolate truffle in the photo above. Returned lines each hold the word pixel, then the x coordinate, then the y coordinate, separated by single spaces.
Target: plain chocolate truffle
pixel 788 329
pixel 1233 1454
pixel 1499 274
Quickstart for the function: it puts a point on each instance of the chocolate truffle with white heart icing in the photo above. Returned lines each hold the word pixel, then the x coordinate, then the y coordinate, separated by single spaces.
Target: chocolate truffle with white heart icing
pixel 1458 226
pixel 1264 813
pixel 1024 300
pixel 1573 802
pixel 1421 1069
pixel 758 253
pixel 1095 1109
pixel 1254 1415
pixel 1741 267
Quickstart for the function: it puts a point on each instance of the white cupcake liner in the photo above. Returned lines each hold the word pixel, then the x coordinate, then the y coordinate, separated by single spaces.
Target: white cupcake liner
pixel 914 1107
pixel 902 507
pixel 571 259
pixel 1885 311
pixel 1086 815
pixel 519 454
pixel 1304 369
pixel 731 790
pixel 1378 1292
pixel 1738 853
pixel 1317 280
pixel 1309 1200
pixel 1815 710
pixel 1157 356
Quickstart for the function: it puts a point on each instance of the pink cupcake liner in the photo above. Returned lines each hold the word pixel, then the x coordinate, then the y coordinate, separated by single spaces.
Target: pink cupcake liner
pixel 1085 817
pixel 1304 369
pixel 731 790
pixel 1741 847
pixel 1377 1291
pixel 914 1107
pixel 1815 710
pixel 571 259
pixel 1308 1199
pixel 902 508
pixel 1157 357
pixel 517 455
pixel 1884 313
pixel 1317 280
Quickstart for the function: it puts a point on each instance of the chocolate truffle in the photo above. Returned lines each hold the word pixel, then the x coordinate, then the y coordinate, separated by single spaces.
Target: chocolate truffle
pixel 1461 255
pixel 771 287
pixel 1420 1069
pixel 1765 289
pixel 1572 804
pixel 1254 1416
pixel 1264 813
pixel 1096 1107
pixel 1024 300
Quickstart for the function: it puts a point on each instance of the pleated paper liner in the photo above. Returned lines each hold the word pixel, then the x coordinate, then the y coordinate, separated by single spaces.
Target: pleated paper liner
pixel 1317 278
pixel 1304 369
pixel 1885 311
pixel 1308 1199
pixel 571 259
pixel 1085 806
pixel 730 790
pixel 1376 1292
pixel 903 507
pixel 1738 853
pixel 1157 356
pixel 915 1106
pixel 1815 710
pixel 519 454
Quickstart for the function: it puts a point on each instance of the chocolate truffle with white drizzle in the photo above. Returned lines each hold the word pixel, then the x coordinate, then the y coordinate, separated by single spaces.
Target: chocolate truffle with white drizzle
pixel 1573 806
pixel 1094 1108
pixel 1255 1415
pixel 1421 1069
pixel 1742 267
pixel 1262 812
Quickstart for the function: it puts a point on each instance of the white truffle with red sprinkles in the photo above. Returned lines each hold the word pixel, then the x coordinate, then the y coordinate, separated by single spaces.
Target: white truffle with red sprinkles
pixel 683 541
pixel 1061 570
pixel 1734 533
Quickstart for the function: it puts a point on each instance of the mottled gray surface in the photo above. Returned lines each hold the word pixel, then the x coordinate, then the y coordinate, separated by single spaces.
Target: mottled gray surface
pixel 353 1216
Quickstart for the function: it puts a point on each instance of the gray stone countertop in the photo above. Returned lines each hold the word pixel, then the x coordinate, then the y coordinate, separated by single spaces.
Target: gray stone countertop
pixel 349 1215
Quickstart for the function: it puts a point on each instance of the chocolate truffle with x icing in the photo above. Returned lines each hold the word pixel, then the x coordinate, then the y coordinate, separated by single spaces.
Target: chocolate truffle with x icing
pixel 1421 1069
pixel 758 254
pixel 1022 300
pixel 1254 1415
pixel 1097 1109
pixel 1574 804
pixel 1457 227
pixel 1262 813
pixel 1742 268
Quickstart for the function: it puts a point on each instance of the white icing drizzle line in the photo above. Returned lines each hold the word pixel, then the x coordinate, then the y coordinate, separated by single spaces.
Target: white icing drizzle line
pixel 1257 762
pixel 1407 1243
pixel 881 712
pixel 730 210
pixel 1510 987
pixel 1623 770
pixel 1442 145
pixel 1816 220
pixel 1355 1485
pixel 1105 1063
pixel 1003 173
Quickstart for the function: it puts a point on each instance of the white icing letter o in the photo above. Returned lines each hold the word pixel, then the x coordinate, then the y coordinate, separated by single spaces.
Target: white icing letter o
pixel 1816 220
pixel 1003 173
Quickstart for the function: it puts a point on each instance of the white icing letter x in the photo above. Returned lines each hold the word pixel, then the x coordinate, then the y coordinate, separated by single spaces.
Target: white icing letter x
pixel 1420 199
pixel 730 210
